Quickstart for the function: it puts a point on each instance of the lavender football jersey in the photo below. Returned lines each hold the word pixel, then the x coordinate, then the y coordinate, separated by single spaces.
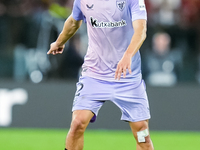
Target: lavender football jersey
pixel 109 27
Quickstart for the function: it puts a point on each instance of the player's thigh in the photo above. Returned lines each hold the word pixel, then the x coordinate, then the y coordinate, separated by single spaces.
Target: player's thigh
pixel 91 94
pixel 132 100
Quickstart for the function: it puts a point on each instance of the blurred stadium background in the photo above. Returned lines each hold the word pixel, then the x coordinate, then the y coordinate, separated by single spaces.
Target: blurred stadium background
pixel 36 90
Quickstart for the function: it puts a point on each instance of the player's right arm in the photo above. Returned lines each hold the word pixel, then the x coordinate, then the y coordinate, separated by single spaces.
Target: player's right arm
pixel 70 27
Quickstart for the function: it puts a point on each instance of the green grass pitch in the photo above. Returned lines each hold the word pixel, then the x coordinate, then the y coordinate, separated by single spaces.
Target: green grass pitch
pixel 54 139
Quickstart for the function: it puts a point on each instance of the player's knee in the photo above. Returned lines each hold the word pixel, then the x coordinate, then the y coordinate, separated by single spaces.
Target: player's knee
pixel 77 126
pixel 143 139
pixel 143 136
pixel 147 145
pixel 147 141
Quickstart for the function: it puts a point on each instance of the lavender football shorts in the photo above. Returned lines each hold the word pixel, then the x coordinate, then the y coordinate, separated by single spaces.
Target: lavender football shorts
pixel 130 97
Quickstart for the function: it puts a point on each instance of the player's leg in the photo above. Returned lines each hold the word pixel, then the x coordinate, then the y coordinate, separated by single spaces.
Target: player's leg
pixel 75 137
pixel 140 131
pixel 132 99
pixel 89 98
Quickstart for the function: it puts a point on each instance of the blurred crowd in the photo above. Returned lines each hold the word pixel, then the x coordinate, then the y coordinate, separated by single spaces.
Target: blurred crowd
pixel 170 54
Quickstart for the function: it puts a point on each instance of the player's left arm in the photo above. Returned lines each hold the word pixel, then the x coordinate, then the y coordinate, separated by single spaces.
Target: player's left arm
pixel 140 28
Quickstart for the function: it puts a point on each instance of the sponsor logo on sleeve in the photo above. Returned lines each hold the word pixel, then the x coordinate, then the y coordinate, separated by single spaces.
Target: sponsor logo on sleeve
pixel 142 5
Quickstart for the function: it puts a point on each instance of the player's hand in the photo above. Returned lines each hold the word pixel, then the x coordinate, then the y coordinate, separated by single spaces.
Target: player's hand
pixel 56 49
pixel 123 65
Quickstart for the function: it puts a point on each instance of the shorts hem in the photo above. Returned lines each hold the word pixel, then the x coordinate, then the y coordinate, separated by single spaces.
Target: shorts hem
pixel 136 120
pixel 83 108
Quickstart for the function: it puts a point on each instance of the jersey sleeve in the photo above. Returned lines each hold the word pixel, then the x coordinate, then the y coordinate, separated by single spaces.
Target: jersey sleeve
pixel 138 9
pixel 76 11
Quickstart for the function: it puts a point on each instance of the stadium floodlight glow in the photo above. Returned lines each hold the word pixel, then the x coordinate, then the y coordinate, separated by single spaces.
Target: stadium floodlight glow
pixel 36 76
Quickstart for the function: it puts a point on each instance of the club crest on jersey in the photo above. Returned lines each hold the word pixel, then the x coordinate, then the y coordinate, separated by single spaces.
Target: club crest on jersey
pixel 121 5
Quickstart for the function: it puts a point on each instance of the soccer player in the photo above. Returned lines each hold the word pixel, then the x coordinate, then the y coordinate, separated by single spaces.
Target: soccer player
pixel 112 66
